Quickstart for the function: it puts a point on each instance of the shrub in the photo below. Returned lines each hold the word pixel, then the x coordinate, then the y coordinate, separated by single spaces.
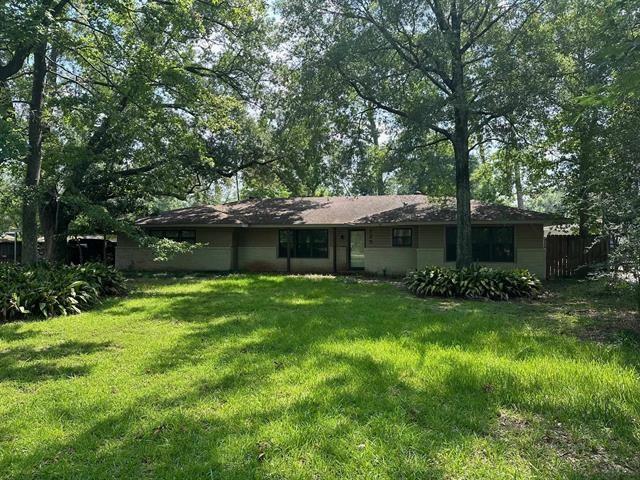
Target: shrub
pixel 473 282
pixel 47 290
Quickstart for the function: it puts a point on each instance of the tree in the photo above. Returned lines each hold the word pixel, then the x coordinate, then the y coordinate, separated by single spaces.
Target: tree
pixel 451 67
pixel 34 157
pixel 136 98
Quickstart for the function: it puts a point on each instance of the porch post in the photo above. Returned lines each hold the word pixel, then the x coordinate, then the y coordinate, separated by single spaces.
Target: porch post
pixel 335 251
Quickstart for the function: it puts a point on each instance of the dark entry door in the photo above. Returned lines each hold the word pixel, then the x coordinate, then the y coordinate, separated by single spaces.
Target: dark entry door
pixel 356 249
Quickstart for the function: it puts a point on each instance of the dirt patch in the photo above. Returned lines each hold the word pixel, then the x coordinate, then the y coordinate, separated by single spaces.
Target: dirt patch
pixel 593 318
pixel 510 422
pixel 604 329
pixel 584 457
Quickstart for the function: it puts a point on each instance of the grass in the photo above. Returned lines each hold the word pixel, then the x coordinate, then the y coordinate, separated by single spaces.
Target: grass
pixel 313 377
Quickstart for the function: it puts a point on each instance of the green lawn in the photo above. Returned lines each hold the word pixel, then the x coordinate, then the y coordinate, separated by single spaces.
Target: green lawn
pixel 314 377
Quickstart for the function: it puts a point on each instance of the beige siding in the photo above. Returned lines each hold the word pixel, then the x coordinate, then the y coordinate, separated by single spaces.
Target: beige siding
pixel 258 237
pixel 256 249
pixel 429 256
pixel 430 246
pixel 260 259
pixel 378 237
pixel 215 237
pixel 205 259
pixel 431 236
pixel 533 259
pixel 216 255
pixel 529 236
pixel 389 260
pixel 382 258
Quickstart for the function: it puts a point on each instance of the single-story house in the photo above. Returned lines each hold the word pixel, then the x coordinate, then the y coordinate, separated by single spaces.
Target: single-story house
pixel 387 235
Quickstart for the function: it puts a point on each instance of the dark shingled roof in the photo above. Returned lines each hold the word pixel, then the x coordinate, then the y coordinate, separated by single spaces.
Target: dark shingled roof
pixel 383 209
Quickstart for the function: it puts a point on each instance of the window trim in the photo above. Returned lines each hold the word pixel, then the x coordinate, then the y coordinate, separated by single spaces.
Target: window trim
pixel 295 239
pixel 393 237
pixel 513 236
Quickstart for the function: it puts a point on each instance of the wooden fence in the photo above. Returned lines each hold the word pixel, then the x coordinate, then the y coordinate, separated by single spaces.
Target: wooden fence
pixel 566 253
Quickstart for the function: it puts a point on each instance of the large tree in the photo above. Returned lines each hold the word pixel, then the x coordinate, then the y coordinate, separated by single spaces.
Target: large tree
pixel 450 66
pixel 136 95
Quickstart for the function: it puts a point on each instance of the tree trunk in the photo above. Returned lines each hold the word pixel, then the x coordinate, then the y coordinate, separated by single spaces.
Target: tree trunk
pixel 518 182
pixel 55 220
pixel 464 256
pixel 34 158
pixel 375 139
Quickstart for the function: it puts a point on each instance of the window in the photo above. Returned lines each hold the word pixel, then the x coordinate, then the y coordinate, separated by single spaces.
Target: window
pixel 489 244
pixel 402 237
pixel 304 243
pixel 188 236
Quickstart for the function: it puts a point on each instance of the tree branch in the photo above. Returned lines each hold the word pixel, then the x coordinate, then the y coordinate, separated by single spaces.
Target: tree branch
pixel 23 50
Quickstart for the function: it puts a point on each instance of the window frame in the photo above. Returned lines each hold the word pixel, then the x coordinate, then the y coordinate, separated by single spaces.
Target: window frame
pixel 394 237
pixel 451 256
pixel 161 233
pixel 282 248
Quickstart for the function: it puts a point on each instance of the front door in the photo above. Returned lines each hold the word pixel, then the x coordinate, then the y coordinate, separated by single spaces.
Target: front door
pixel 356 249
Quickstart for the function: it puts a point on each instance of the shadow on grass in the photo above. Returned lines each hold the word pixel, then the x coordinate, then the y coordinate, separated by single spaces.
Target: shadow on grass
pixel 13 332
pixel 28 364
pixel 353 411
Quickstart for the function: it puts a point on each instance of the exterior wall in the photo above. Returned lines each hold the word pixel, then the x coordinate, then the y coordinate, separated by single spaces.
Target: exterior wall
pixel 533 259
pixel 389 260
pixel 256 249
pixel 382 258
pixel 216 256
pixel 203 259
pixel 530 251
pixel 258 252
pixel 529 244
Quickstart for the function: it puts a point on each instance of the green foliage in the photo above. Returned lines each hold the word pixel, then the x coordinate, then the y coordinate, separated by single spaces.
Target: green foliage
pixel 46 290
pixel 164 248
pixel 473 282
pixel 138 99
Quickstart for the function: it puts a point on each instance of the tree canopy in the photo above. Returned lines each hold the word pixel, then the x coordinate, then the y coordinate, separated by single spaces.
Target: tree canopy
pixel 111 109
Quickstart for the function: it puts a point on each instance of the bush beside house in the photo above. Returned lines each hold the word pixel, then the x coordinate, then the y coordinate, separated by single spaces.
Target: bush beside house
pixel 473 282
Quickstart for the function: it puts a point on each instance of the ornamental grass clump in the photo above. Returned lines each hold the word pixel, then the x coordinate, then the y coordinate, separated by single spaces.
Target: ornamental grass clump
pixel 473 282
pixel 44 290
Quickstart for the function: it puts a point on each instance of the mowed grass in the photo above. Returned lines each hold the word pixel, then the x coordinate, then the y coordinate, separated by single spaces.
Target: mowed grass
pixel 315 377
